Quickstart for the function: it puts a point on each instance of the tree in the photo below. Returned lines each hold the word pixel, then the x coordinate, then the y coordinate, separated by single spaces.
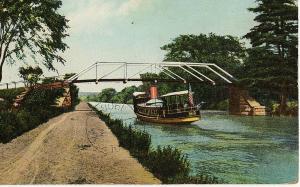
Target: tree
pixel 226 51
pixel 68 75
pixel 272 62
pixel 163 88
pixel 125 95
pixel 31 27
pixel 106 95
pixel 31 75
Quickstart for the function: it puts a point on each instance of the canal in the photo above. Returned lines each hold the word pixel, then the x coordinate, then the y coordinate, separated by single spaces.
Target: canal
pixel 233 148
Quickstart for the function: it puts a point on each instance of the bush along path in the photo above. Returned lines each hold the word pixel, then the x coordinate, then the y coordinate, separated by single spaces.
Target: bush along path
pixel 37 108
pixel 166 163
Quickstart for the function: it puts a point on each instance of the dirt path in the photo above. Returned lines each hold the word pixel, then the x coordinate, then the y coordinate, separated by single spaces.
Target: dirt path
pixel 74 147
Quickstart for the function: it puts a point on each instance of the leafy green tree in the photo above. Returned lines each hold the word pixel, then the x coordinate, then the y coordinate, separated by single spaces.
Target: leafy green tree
pixel 163 88
pixel 272 62
pixel 106 95
pixel 125 95
pixel 226 51
pixel 34 28
pixel 68 75
pixel 31 75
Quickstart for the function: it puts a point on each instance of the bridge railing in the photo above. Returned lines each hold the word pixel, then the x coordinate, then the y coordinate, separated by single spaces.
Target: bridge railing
pixel 189 68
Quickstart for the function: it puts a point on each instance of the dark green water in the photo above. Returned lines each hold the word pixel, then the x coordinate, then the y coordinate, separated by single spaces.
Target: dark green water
pixel 234 148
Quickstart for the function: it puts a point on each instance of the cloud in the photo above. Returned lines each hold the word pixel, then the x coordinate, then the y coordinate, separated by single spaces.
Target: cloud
pixel 129 6
pixel 88 15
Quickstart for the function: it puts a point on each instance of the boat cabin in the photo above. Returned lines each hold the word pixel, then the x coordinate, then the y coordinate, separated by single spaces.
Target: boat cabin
pixel 177 100
pixel 175 106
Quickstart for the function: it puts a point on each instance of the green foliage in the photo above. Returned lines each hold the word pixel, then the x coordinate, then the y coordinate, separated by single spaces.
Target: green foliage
pixel 226 51
pixel 48 80
pixel 68 75
pixel 272 62
pixel 110 95
pixel 31 75
pixel 166 163
pixel 9 95
pixel 34 28
pixel 41 98
pixel 291 109
pixel 13 124
pixel 106 95
pixel 163 88
pixel 7 126
pixel 125 95
pixel 36 109
pixel 222 105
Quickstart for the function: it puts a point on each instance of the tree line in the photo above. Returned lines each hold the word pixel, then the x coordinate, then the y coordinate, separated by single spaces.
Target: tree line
pixel 34 29
pixel 268 69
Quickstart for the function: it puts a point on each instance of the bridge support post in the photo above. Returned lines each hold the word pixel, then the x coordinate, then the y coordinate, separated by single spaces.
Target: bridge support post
pixel 96 73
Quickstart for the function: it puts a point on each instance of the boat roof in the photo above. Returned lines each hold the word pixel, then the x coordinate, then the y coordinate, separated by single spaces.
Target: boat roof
pixel 152 101
pixel 176 93
pixel 138 93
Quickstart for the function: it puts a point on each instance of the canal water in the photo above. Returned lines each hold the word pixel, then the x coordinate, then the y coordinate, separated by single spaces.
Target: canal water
pixel 233 148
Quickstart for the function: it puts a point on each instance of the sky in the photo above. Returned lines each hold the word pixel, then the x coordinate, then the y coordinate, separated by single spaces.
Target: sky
pixel 134 30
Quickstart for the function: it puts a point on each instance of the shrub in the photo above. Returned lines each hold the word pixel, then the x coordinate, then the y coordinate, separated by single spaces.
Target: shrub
pixel 41 98
pixel 7 126
pixel 4 105
pixel 9 96
pixel 37 108
pixel 291 108
pixel 167 163
pixel 222 105
pixel 24 120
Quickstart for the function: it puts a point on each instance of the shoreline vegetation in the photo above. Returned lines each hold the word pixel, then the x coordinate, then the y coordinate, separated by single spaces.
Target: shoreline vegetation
pixel 38 108
pixel 166 163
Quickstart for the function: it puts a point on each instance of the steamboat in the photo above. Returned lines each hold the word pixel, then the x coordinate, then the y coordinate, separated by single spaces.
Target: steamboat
pixel 171 108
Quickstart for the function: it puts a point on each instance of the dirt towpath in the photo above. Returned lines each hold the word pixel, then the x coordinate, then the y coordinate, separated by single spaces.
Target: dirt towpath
pixel 75 147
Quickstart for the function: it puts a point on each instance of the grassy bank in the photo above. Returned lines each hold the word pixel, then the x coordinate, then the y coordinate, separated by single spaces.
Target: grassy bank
pixel 166 163
pixel 38 107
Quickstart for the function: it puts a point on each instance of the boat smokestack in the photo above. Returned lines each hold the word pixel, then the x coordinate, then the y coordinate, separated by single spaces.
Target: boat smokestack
pixel 153 92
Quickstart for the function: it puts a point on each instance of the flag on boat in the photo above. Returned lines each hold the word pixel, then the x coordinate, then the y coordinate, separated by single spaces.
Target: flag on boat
pixel 191 101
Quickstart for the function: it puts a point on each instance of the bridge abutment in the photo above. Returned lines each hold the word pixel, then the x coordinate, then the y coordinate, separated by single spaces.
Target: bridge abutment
pixel 241 103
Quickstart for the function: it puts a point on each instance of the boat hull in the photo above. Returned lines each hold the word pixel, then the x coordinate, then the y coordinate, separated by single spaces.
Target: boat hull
pixel 185 120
